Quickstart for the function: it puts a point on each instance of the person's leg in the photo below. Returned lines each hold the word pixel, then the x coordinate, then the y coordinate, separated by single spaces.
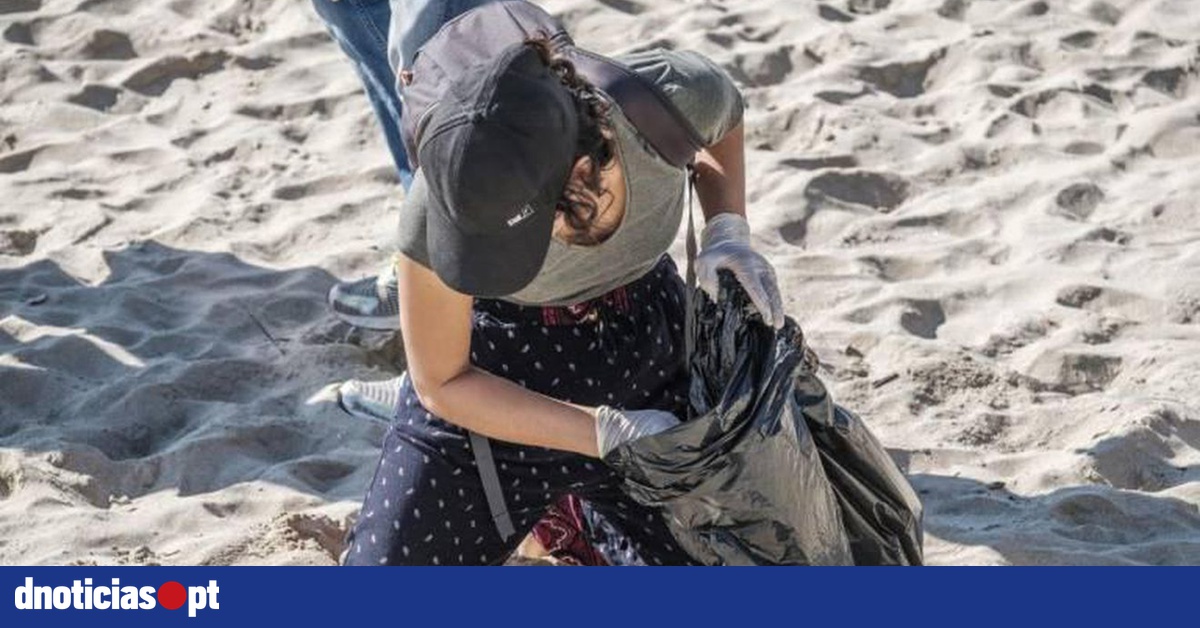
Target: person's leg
pixel 426 504
pixel 415 21
pixel 360 27
pixel 363 29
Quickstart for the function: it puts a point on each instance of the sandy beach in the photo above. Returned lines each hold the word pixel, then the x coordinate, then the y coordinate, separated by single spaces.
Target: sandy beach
pixel 984 213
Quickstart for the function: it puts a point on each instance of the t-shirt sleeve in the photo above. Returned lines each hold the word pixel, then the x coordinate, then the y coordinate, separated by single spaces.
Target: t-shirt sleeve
pixel 704 93
pixel 410 234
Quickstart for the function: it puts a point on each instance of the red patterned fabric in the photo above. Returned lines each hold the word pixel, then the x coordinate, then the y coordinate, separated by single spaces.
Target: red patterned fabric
pixel 561 532
pixel 617 299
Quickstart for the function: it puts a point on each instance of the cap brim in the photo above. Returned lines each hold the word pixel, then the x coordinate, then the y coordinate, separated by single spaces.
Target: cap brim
pixel 495 264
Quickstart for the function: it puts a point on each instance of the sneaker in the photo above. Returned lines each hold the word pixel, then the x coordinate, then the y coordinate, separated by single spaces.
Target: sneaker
pixel 371 303
pixel 370 400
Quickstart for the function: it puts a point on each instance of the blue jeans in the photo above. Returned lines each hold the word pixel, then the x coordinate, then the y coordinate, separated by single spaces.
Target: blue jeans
pixel 360 27
pixel 364 28
pixel 415 21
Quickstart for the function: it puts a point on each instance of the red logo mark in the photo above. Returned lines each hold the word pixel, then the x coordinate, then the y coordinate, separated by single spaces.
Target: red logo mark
pixel 171 595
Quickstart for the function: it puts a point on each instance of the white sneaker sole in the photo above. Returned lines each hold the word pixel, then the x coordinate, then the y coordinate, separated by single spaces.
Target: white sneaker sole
pixel 389 322
pixel 376 323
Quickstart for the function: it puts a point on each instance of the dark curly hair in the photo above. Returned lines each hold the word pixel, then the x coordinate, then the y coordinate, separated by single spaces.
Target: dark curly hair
pixel 578 204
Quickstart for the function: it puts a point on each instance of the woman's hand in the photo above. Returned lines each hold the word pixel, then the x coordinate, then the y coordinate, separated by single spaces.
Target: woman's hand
pixel 725 244
pixel 720 172
pixel 616 427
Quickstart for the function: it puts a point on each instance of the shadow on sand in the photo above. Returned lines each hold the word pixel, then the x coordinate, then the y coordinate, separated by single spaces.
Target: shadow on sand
pixel 1078 525
pixel 182 371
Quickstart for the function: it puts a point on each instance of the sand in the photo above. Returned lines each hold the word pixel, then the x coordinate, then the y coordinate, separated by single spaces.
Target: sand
pixel 983 212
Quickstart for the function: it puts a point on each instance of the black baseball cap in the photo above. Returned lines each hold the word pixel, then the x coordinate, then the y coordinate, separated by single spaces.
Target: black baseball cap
pixel 496 154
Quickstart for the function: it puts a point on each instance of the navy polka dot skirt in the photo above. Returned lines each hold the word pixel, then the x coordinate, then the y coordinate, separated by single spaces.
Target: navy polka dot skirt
pixel 426 504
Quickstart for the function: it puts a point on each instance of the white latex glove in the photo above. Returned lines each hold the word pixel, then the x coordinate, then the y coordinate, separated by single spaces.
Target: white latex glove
pixel 616 427
pixel 725 244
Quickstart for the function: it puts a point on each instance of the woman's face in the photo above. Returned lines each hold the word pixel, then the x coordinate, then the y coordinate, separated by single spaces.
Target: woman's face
pixel 609 205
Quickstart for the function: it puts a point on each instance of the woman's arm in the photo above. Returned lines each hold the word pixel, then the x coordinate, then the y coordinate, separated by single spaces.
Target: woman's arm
pixel 725 241
pixel 721 175
pixel 436 324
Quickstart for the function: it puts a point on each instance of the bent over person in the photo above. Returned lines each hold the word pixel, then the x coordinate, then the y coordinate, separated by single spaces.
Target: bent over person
pixel 536 301
pixel 570 531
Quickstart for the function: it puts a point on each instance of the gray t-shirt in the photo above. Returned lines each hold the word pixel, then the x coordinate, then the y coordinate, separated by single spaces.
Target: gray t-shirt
pixel 655 190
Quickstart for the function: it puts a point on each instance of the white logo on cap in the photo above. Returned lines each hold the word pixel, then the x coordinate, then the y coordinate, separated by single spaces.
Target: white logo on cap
pixel 520 216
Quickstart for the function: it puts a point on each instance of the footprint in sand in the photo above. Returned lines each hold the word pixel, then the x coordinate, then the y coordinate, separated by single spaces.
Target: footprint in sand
pixel 954 9
pixel 763 69
pixel 19 6
pixel 18 242
pixel 1077 297
pixel 1084 148
pixel 1075 373
pixel 1079 200
pixel 108 45
pixel 156 78
pixel 291 111
pixel 109 7
pixel 98 97
pixel 922 318
pixel 820 163
pixel 832 14
pixel 1081 40
pixel 1034 9
pixel 624 6
pixel 1104 12
pixel 1170 81
pixel 868 7
pixel 882 192
pixel 904 79
pixel 19 33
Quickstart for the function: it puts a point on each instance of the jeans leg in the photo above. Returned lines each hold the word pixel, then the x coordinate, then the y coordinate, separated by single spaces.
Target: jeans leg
pixel 360 27
pixel 415 21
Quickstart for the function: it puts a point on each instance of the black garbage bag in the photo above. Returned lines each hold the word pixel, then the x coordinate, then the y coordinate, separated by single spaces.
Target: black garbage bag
pixel 769 471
